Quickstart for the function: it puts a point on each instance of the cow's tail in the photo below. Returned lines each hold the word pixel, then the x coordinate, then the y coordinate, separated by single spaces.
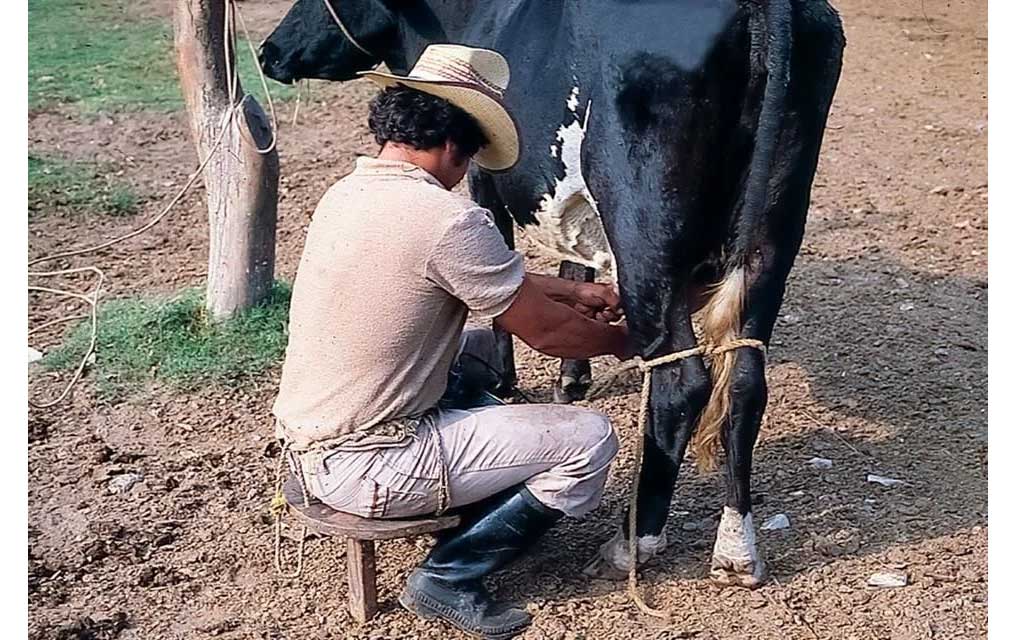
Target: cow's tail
pixel 721 317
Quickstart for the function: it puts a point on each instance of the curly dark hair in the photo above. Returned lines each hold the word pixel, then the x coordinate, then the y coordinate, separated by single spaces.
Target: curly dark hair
pixel 422 121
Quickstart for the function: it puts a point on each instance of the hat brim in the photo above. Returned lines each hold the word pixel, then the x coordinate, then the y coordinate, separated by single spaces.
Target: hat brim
pixel 502 151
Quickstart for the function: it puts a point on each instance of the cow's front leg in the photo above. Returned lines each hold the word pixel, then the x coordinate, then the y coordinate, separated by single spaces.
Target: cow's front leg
pixel 576 375
pixel 679 392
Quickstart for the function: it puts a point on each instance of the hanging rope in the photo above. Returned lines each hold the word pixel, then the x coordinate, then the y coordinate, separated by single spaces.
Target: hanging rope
pixel 346 32
pixel 646 367
pixel 278 509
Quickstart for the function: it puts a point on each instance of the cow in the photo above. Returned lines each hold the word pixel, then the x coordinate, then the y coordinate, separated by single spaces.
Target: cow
pixel 668 145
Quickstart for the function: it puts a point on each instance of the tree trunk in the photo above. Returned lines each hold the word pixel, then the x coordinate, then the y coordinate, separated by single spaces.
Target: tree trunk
pixel 241 184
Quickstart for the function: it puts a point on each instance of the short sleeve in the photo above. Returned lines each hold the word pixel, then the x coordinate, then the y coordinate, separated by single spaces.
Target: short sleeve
pixel 472 262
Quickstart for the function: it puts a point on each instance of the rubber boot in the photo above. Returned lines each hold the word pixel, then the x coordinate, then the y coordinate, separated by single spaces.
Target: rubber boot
pixel 449 584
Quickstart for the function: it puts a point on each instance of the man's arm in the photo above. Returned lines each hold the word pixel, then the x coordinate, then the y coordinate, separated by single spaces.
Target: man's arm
pixel 557 329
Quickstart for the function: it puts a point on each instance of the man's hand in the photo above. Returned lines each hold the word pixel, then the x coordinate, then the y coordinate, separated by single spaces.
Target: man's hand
pixel 594 300
pixel 597 301
pixel 556 328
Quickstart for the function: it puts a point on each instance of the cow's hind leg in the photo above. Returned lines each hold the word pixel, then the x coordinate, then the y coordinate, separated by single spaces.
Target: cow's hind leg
pixel 818 45
pixel 576 375
pixel 736 558
pixel 679 392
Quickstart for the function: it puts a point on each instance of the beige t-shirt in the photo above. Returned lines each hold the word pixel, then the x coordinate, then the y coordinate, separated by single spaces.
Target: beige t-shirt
pixel 392 265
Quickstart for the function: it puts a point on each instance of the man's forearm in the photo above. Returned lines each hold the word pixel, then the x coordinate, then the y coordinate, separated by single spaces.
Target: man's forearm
pixel 568 334
pixel 557 329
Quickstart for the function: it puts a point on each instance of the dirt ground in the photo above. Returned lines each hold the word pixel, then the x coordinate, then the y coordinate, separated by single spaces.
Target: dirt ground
pixel 879 363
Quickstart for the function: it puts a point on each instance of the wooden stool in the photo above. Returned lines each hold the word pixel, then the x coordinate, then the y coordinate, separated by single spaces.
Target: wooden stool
pixel 360 534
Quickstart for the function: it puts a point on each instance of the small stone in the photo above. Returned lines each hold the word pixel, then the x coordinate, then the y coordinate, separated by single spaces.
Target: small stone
pixel 940 190
pixel 888 580
pixel 885 481
pixel 686 526
pixel 95 551
pixel 907 306
pixel 777 522
pixel 820 463
pixel 34 355
pixel 164 539
pixel 147 577
pixel 124 482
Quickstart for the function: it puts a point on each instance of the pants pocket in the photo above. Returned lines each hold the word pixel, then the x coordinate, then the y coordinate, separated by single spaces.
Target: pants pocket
pixel 399 495
pixel 372 499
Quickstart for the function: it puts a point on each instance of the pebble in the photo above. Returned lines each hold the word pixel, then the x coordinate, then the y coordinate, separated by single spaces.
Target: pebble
pixel 820 463
pixel 124 482
pixel 885 481
pixel 34 355
pixel 888 580
pixel 777 522
pixel 940 190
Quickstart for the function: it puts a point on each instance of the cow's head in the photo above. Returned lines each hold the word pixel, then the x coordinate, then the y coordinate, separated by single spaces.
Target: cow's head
pixel 308 43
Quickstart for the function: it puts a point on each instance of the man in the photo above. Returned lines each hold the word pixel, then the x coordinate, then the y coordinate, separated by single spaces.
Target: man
pixel 393 264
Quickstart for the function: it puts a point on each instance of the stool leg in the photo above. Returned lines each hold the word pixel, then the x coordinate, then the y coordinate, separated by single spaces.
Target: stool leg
pixel 362 579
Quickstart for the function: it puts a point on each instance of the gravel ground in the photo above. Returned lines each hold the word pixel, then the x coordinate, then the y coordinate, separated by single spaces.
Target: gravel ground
pixel 879 364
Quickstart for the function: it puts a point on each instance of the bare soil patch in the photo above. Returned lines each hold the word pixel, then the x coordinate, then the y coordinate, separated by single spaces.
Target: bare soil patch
pixel 879 364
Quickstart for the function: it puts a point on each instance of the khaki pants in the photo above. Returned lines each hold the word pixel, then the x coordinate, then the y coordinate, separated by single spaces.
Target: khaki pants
pixel 560 452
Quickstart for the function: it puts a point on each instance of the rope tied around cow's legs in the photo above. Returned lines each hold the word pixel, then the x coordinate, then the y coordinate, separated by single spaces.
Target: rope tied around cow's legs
pixel 646 367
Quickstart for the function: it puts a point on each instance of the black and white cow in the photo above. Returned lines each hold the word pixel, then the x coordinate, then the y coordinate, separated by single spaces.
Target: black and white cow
pixel 670 145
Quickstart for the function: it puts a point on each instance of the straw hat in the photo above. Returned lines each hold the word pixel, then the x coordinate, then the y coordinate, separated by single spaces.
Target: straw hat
pixel 473 80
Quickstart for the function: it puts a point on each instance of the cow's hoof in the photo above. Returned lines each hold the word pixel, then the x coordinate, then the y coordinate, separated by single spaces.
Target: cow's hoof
pixel 614 559
pixel 727 572
pixel 568 389
pixel 601 569
pixel 736 559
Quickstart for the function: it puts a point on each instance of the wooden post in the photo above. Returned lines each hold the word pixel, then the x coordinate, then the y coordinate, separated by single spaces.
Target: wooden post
pixel 241 184
pixel 362 579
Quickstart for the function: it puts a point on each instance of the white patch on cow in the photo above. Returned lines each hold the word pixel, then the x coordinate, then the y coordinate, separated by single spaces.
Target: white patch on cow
pixel 736 559
pixel 573 99
pixel 569 226
pixel 616 554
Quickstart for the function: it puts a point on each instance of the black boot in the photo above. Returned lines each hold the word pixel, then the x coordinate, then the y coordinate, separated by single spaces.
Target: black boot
pixel 449 583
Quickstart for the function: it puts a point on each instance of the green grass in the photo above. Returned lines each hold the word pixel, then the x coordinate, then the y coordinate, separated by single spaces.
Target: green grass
pixel 92 54
pixel 171 340
pixel 55 184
